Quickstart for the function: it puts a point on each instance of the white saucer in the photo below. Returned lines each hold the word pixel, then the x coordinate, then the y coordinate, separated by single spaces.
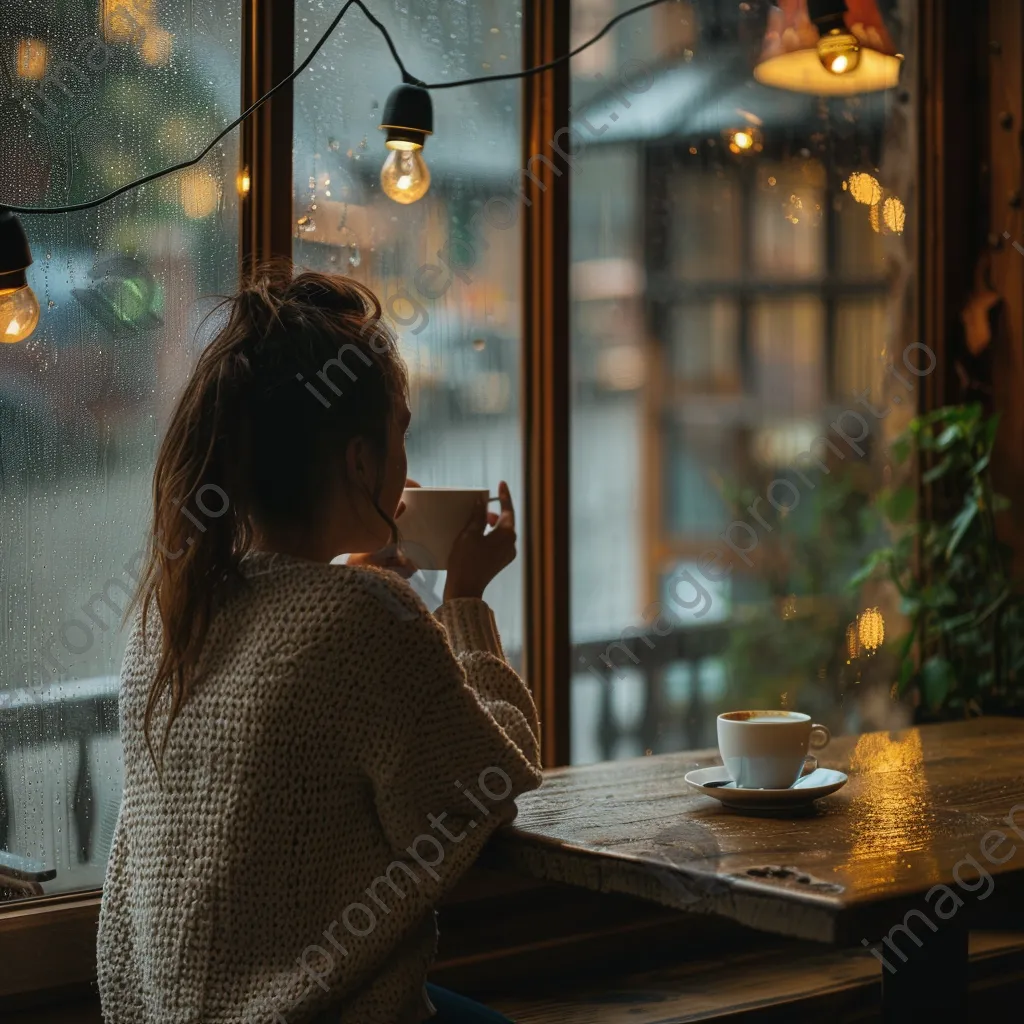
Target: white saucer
pixel 715 782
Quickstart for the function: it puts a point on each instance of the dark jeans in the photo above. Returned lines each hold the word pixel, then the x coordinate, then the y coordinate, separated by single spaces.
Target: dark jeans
pixel 455 1009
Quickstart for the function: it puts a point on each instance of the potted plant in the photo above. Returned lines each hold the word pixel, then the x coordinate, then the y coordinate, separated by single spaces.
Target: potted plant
pixel 953 574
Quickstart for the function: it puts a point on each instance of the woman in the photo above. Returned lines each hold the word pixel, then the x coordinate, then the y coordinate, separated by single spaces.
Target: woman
pixel 311 758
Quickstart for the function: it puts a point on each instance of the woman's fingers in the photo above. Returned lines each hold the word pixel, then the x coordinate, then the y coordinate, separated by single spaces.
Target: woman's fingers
pixel 508 512
pixel 478 520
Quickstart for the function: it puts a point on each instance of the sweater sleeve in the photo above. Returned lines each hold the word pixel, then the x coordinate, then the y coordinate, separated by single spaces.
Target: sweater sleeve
pixel 473 636
pixel 462 740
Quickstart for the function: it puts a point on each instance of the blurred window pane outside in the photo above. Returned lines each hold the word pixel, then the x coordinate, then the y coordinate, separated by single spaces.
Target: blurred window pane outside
pixel 753 296
pixel 446 269
pixel 83 402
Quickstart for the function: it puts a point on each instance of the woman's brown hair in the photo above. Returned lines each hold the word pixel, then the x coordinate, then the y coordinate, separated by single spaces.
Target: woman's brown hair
pixel 303 365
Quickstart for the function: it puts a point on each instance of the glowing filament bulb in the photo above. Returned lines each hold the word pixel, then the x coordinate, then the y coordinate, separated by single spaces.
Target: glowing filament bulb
pixel 839 52
pixel 405 176
pixel 19 313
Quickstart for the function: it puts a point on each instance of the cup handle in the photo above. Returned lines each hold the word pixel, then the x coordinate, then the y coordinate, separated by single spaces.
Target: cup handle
pixel 820 736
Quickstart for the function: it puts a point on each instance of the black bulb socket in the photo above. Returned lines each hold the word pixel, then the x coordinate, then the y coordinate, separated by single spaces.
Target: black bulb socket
pixel 15 254
pixel 827 14
pixel 408 115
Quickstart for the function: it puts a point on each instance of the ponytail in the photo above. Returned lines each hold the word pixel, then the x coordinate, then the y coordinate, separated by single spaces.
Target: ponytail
pixel 247 449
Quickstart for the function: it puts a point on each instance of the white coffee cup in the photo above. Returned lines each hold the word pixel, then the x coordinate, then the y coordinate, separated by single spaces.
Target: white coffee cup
pixel 768 749
pixel 433 518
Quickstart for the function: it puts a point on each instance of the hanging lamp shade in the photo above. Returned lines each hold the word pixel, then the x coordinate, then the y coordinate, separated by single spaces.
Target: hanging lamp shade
pixel 828 48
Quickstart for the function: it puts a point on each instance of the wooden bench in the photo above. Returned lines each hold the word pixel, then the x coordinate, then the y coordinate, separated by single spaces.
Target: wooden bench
pixel 793 982
pixel 552 954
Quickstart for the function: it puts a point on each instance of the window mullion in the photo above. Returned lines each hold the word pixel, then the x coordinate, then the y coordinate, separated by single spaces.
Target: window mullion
pixel 546 380
pixel 268 56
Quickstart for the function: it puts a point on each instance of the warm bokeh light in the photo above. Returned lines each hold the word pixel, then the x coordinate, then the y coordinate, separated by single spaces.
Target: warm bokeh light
pixel 744 140
pixel 30 61
pixel 875 218
pixel 156 46
pixel 200 193
pixel 871 630
pixel 125 21
pixel 852 643
pixel 244 182
pixel 891 822
pixel 864 188
pixel 894 213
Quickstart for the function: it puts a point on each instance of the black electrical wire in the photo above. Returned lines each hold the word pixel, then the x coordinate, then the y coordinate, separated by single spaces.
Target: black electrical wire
pixel 407 78
pixel 551 63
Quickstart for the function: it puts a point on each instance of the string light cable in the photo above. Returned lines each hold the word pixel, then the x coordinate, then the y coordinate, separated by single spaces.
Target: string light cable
pixel 408 79
pixel 408 119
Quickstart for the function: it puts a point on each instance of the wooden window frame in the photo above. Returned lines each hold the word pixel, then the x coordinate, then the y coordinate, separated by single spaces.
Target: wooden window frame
pixel 48 944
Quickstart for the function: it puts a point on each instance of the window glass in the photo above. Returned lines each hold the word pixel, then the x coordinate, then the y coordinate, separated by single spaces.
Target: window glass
pixel 447 266
pixel 93 95
pixel 748 254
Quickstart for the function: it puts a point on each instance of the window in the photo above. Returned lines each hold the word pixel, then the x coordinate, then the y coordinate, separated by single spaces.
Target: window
pixel 448 275
pixel 101 93
pixel 730 303
pixel 729 311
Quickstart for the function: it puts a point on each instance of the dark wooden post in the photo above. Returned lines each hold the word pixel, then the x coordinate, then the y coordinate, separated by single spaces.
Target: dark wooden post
pixel 546 382
pixel 268 56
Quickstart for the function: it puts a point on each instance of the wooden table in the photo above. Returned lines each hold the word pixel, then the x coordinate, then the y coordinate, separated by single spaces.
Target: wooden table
pixel 923 808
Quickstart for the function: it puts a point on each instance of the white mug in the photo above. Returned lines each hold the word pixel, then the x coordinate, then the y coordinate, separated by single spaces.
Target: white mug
pixel 433 518
pixel 768 749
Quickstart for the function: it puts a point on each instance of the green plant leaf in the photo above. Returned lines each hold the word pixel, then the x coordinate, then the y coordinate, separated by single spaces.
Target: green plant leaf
pixel 880 557
pixel 949 436
pixel 938 595
pixel 956 623
pixel 899 504
pixel 937 681
pixel 990 429
pixel 937 472
pixel 900 449
pixel 961 525
pixel 906 677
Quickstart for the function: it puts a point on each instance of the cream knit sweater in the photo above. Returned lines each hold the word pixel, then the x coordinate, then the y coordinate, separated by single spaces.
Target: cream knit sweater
pixel 341 763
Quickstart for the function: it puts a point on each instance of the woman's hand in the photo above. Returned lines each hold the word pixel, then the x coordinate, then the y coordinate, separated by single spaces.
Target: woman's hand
pixel 477 557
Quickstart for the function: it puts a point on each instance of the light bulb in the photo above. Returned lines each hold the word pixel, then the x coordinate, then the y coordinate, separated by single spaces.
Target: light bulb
pixel 19 313
pixel 405 176
pixel 839 52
